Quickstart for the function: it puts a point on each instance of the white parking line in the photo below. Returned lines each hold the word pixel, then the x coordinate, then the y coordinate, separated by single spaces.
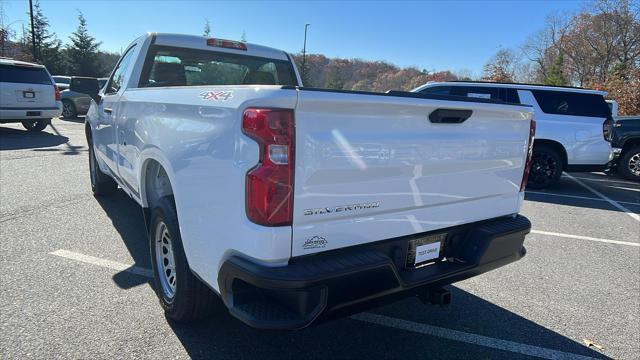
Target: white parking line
pixel 579 197
pixel 466 337
pixel 400 324
pixel 109 264
pixel 612 202
pixel 603 180
pixel 580 237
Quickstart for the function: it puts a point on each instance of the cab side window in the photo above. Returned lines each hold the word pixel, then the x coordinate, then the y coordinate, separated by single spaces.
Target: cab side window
pixel 117 78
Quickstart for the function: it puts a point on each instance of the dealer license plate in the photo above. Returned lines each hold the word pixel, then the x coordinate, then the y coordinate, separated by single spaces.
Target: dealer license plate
pixel 425 250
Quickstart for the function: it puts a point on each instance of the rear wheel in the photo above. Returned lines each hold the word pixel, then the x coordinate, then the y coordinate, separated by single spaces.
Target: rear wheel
pixel 101 184
pixel 37 125
pixel 68 110
pixel 629 164
pixel 182 296
pixel 546 167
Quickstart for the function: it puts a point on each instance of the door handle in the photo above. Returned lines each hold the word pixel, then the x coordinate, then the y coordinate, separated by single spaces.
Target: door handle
pixel 107 110
pixel 449 116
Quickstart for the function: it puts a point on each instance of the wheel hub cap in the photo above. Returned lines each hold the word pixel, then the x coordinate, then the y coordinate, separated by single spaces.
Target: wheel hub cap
pixel 165 260
pixel 66 109
pixel 542 169
pixel 634 164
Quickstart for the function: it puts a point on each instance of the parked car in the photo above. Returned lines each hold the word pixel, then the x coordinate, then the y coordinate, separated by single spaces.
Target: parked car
pixel 28 95
pixel 75 101
pixel 62 82
pixel 571 124
pixel 625 135
pixel 294 203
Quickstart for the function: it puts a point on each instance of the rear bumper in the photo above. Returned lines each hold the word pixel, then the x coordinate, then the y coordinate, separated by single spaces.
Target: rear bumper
pixel 12 114
pixel 320 286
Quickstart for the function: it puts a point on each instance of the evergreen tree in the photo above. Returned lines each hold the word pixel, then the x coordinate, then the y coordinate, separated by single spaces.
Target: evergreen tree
pixel 304 69
pixel 48 46
pixel 556 74
pixel 82 52
pixel 335 79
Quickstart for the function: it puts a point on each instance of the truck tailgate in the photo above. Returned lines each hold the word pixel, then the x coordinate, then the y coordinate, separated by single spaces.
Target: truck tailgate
pixel 374 167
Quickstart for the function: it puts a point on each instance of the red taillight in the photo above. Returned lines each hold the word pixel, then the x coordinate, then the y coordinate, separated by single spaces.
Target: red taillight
pixel 527 165
pixel 269 186
pixel 607 128
pixel 57 89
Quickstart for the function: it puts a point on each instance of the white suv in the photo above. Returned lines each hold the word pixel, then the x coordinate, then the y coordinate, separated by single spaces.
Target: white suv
pixel 573 124
pixel 28 95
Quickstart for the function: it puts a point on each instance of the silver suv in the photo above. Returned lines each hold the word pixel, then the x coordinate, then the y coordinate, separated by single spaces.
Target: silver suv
pixel 28 95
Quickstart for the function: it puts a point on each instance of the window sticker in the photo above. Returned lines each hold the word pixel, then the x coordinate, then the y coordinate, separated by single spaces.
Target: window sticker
pixel 478 95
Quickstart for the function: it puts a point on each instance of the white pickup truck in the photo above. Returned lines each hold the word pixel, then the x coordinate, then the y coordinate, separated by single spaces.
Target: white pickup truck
pixel 296 204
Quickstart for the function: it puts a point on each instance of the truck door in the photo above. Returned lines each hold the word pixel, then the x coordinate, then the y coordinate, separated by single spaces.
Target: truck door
pixel 105 130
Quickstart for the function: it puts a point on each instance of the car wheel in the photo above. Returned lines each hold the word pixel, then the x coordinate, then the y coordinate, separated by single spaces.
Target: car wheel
pixel 182 296
pixel 629 164
pixel 546 167
pixel 101 184
pixel 68 110
pixel 37 125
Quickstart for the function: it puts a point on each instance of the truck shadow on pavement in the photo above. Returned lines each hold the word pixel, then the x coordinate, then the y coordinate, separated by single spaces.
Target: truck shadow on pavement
pixel 126 216
pixel 17 139
pixel 224 337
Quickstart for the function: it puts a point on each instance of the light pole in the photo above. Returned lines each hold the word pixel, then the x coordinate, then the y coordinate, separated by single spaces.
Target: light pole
pixel 33 34
pixel 304 52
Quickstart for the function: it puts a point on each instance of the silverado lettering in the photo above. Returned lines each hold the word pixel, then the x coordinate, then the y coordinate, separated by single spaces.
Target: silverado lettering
pixel 341 208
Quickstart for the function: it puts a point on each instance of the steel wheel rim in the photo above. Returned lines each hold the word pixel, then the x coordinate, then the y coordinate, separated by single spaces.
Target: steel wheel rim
pixel 165 260
pixel 543 167
pixel 66 109
pixel 634 164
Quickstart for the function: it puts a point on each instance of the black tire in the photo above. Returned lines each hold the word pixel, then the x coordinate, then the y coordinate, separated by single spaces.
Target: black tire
pixel 69 110
pixel 101 183
pixel 37 125
pixel 546 167
pixel 190 299
pixel 629 164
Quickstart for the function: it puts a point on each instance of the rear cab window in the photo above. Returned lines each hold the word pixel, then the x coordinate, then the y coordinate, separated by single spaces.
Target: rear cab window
pixel 174 66
pixel 572 103
pixel 24 75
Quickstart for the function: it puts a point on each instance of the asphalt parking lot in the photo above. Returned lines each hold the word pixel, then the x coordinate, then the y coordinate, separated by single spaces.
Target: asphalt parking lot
pixel 74 279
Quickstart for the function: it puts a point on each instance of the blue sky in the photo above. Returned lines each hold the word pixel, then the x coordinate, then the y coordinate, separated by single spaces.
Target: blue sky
pixel 453 35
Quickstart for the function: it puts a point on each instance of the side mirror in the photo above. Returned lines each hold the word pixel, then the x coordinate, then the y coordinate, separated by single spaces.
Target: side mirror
pixel 86 85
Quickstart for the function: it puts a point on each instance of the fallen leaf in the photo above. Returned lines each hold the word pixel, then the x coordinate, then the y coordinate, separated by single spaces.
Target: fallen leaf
pixel 590 343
